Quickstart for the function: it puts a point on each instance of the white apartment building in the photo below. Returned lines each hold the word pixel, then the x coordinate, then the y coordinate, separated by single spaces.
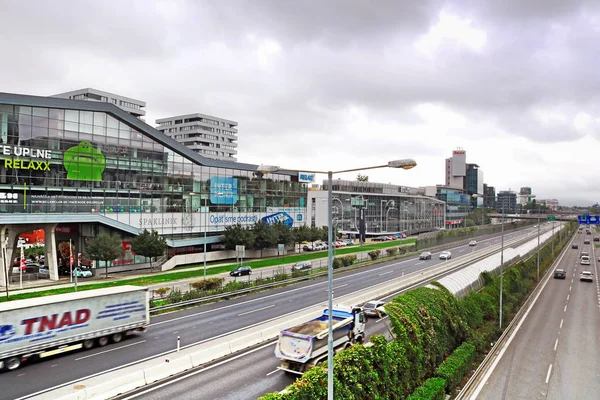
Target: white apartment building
pixel 209 136
pixel 132 106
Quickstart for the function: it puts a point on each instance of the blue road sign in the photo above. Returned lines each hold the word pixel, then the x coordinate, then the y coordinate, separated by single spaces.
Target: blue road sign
pixel 588 219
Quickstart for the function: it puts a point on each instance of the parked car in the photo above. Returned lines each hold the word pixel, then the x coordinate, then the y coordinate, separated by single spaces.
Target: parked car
pixel 374 308
pixel 82 272
pixel 574 246
pixel 560 274
pixel 445 255
pixel 586 276
pixel 381 239
pixel 392 237
pixel 302 266
pixel 241 270
pixel 425 256
pixel 473 243
pixel 349 242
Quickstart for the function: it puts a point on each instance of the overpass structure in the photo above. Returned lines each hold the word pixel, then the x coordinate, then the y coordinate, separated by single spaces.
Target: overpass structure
pixel 542 217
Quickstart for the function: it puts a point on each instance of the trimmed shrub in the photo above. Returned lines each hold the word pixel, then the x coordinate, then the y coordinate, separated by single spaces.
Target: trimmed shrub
pixel 336 263
pixel 374 254
pixel 431 389
pixel 401 250
pixel 454 368
pixel 162 291
pixel 208 284
pixel 348 260
pixel 391 252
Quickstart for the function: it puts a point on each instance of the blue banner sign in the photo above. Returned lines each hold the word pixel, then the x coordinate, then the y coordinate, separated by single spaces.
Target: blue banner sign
pixel 588 219
pixel 278 217
pixel 223 190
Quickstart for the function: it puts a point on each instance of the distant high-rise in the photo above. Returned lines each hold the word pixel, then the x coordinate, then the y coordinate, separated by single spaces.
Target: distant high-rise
pixel 456 169
pixel 507 201
pixel 489 196
pixel 132 106
pixel 525 196
pixel 209 136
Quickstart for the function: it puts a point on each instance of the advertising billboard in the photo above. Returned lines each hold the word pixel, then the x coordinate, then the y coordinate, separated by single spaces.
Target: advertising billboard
pixel 223 190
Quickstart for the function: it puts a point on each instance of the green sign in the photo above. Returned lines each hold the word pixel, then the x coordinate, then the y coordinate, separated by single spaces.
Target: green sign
pixel 84 163
pixel 551 218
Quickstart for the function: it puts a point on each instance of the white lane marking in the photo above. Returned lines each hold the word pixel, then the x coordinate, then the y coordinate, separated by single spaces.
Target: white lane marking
pixel 174 333
pixel 257 310
pixel 385 273
pixel 461 250
pixel 108 351
pixel 548 374
pixel 565 308
pixel 561 322
pixel 381 319
pixel 568 296
pixel 419 263
pixel 272 372
pixel 571 280
pixel 556 344
pixel 198 371
pixel 570 287
pixel 20 374
pixel 337 287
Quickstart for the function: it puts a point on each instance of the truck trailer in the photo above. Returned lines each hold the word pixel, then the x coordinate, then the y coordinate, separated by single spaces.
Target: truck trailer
pixel 46 326
pixel 303 346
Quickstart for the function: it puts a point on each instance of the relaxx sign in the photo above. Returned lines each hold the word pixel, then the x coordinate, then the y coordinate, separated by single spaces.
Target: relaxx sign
pixel 17 151
pixel 52 322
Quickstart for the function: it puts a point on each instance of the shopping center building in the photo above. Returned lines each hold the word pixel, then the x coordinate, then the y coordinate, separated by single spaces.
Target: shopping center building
pixel 75 168
pixel 387 208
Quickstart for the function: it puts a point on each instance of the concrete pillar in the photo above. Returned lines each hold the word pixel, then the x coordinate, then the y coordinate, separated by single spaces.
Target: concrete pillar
pixel 8 245
pixel 4 266
pixel 51 261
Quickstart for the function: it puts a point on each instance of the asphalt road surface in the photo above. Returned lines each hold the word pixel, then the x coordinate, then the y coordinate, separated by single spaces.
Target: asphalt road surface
pixel 555 354
pixel 200 324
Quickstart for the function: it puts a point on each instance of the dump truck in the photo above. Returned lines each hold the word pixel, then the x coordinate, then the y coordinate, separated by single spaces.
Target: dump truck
pixel 303 346
pixel 46 326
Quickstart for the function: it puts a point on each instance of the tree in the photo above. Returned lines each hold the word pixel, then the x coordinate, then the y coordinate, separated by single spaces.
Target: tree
pixel 104 247
pixel 149 244
pixel 362 178
pixel 237 235
pixel 264 236
pixel 284 233
pixel 302 234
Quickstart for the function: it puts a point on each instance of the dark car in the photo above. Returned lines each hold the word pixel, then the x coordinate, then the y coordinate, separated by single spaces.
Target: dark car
pixel 586 241
pixel 574 246
pixel 241 270
pixel 425 256
pixel 588 233
pixel 596 239
pixel 374 308
pixel 302 266
pixel 560 274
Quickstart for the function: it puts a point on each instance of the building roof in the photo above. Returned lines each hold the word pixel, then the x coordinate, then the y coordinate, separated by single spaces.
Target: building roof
pixel 172 144
pixel 194 115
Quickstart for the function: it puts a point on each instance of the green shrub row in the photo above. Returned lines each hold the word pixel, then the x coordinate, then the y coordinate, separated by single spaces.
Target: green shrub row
pixel 344 261
pixel 431 389
pixel 208 284
pixel 454 368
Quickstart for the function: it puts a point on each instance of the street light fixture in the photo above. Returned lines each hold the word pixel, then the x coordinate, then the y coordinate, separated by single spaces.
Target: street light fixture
pixel 403 164
pixel 387 203
pixel 501 265
pixel 205 212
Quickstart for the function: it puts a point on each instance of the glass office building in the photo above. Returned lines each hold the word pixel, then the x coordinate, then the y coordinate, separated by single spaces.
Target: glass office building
pixel 76 163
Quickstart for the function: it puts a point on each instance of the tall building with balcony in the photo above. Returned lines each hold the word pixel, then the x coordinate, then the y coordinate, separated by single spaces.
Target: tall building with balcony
pixel 456 169
pixel 212 137
pixel 507 201
pixel 132 106
pixel 489 196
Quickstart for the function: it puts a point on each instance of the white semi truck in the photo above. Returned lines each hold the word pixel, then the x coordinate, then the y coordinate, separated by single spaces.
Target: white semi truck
pixel 46 326
pixel 303 346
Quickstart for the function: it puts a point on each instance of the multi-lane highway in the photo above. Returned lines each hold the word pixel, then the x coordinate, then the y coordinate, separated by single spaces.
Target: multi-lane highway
pixel 204 323
pixel 555 353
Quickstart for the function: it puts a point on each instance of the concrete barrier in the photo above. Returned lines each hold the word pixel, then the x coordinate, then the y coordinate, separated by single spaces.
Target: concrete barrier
pixel 117 385
pixel 210 354
pixel 166 369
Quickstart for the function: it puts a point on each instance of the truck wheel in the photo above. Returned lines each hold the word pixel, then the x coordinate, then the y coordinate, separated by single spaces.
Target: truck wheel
pixel 103 341
pixel 117 337
pixel 12 363
pixel 88 344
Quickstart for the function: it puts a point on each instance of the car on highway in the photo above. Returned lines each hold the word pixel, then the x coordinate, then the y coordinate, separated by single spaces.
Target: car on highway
pixel 241 270
pixel 445 255
pixel 596 239
pixel 426 255
pixel 82 272
pixel 374 308
pixel 560 274
pixel 574 246
pixel 586 241
pixel 585 260
pixel 584 253
pixel 586 276
pixel 588 233
pixel 302 266
pixel 473 243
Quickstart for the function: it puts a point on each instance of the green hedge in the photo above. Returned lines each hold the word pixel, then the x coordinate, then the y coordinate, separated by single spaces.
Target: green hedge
pixel 454 368
pixel 431 389
pixel 374 254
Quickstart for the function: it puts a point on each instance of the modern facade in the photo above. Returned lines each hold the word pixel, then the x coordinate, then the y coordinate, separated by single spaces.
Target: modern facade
pixel 76 168
pixel 132 106
pixel 552 204
pixel 525 196
pixel 474 185
pixel 489 196
pixel 458 205
pixel 387 208
pixel 506 201
pixel 209 136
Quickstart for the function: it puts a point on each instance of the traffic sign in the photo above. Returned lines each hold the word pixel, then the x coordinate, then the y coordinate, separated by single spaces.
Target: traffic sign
pixel 551 217
pixel 588 219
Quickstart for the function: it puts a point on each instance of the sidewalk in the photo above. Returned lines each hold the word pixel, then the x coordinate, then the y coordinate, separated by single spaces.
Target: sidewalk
pixel 45 284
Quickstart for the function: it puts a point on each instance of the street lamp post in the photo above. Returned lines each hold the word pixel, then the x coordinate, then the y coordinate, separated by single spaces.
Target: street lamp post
pixel 403 164
pixel 387 213
pixel 341 212
pixel 501 265
pixel 387 203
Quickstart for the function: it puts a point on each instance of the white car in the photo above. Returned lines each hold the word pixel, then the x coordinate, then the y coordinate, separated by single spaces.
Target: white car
pixel 586 276
pixel 82 273
pixel 445 255
pixel 473 243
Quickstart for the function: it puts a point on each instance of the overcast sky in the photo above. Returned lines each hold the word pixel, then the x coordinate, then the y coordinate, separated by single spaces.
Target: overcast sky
pixel 343 84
